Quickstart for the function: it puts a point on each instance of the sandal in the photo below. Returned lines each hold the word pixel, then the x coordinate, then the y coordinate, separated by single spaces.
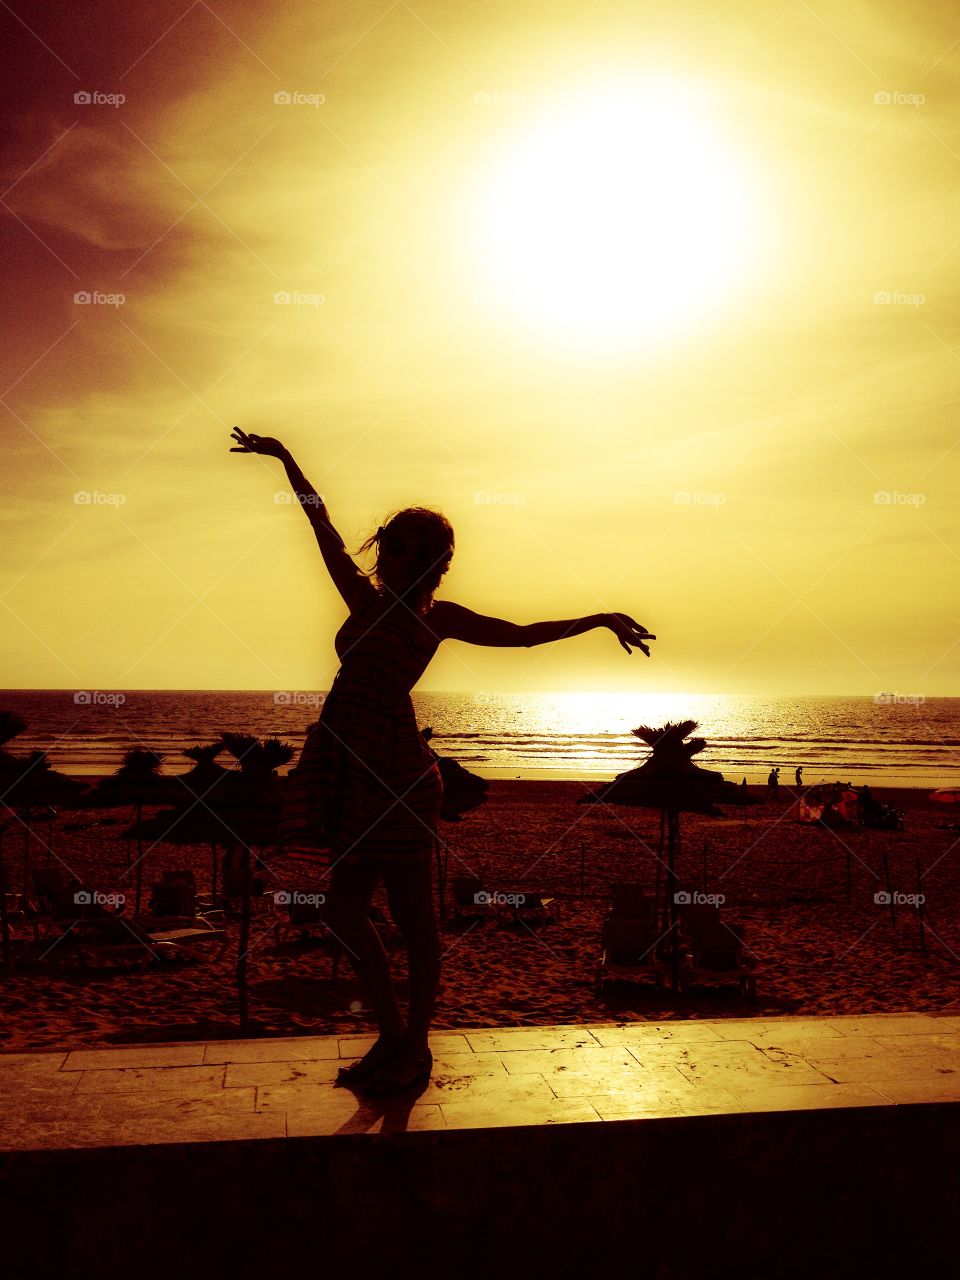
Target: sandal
pixel 365 1068
pixel 401 1077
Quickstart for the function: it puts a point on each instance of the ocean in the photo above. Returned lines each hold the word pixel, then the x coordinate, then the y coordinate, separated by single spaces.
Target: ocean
pixel 888 740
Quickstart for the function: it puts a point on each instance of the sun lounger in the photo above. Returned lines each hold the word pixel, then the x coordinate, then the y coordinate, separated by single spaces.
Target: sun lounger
pixel 713 955
pixel 632 951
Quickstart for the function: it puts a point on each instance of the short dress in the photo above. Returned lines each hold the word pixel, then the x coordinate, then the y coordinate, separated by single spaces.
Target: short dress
pixel 367 786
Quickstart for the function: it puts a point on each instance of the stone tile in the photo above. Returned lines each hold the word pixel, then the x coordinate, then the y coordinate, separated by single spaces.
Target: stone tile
pixel 809 1097
pixel 616 1082
pixel 166 1055
pixel 246 1074
pixel 907 1089
pixel 774 1032
pixel 211 1128
pixel 488 1113
pixel 39 1062
pixel 227 1102
pixel 892 1067
pixel 57 1134
pixel 440 1042
pixel 948 1042
pixel 290 1049
pixel 739 1062
pixel 182 1081
pixel 589 1058
pixel 514 1040
pixel 506 1088
pixel 886 1024
pixel 28 1080
pixel 649 1104
pixel 681 1032
pixel 392 1119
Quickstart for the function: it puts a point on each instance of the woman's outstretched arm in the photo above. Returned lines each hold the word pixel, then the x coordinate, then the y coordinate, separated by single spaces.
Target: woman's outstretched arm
pixel 453 622
pixel 353 585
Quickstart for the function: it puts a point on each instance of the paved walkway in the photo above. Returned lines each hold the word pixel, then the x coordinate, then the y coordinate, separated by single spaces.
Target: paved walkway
pixel 233 1089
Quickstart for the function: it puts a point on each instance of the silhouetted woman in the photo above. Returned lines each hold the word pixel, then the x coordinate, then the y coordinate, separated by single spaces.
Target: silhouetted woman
pixel 374 783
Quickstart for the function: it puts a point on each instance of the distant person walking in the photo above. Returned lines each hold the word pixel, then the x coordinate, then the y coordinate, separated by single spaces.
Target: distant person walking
pixel 773 784
pixel 799 775
pixel 367 786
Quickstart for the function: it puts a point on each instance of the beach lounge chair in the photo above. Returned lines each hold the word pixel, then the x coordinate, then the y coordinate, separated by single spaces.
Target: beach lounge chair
pixel 94 934
pixel 471 901
pixel 632 951
pixel 631 900
pixel 175 899
pixel 305 918
pixel 713 955
pixel 525 907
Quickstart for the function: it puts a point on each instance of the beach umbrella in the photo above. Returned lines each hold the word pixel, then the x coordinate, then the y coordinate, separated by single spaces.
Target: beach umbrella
pixel 138 781
pixel 668 780
pixel 29 789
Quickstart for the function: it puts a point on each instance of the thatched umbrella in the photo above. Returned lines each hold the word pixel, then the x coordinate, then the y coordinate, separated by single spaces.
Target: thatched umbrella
pixel 137 782
pixel 462 791
pixel 668 780
pixel 29 788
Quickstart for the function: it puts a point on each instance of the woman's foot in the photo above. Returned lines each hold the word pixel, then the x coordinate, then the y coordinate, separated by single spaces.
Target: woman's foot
pixel 408 1071
pixel 380 1054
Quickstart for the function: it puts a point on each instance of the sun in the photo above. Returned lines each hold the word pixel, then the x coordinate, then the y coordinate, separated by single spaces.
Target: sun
pixel 621 215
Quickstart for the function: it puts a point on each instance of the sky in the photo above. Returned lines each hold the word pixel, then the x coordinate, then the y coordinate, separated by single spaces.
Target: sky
pixel 658 304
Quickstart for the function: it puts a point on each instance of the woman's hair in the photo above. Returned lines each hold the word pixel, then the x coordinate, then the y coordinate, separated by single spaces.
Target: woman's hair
pixel 428 537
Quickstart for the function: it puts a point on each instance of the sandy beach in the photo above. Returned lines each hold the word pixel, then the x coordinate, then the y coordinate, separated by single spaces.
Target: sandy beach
pixel 818 948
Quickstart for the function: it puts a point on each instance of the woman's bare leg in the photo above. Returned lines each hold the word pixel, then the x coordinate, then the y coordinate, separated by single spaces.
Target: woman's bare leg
pixel 410 891
pixel 351 889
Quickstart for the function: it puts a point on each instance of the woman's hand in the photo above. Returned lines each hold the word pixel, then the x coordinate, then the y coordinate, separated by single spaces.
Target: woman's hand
pixel 627 631
pixel 266 445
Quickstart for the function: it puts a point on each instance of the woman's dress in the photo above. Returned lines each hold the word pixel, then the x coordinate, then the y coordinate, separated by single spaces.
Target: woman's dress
pixel 367 785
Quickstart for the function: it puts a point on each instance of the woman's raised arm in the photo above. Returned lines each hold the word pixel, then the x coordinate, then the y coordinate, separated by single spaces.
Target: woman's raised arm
pixel 453 622
pixel 354 586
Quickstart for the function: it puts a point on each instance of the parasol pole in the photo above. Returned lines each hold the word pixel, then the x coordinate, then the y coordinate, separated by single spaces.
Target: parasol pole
pixel 4 921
